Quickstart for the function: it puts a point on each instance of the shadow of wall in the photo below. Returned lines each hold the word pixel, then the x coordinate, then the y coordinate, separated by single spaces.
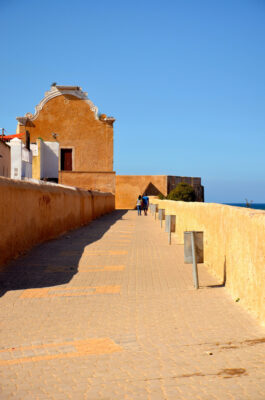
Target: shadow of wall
pixel 33 213
pixel 55 262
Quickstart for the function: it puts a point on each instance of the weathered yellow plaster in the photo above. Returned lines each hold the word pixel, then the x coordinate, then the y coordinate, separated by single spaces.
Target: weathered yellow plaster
pixel 234 247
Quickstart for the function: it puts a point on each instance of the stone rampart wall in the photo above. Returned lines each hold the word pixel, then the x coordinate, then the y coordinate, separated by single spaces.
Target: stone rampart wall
pixel 234 247
pixel 32 213
pixel 129 187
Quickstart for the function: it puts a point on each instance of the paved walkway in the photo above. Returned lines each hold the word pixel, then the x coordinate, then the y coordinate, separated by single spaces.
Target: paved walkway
pixel 108 312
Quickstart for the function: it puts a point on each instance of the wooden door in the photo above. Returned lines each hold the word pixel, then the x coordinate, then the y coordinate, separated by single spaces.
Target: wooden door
pixel 66 159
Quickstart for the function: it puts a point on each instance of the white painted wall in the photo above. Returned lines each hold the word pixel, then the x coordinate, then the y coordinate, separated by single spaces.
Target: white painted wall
pixel 42 158
pixel 5 162
pixel 16 158
pixel 21 160
pixel 34 149
pixel 26 169
pixel 50 159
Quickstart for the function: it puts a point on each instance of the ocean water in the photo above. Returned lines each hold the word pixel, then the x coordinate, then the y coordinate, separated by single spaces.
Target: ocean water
pixel 254 206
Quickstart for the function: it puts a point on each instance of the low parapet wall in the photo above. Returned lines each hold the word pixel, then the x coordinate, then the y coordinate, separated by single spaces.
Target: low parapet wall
pixel 32 213
pixel 234 246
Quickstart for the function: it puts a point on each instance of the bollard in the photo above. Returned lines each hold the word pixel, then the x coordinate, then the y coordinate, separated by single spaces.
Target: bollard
pixel 151 208
pixel 170 226
pixel 155 208
pixel 194 264
pixel 161 215
pixel 193 252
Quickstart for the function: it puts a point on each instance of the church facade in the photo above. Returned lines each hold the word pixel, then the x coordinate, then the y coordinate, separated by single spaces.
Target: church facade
pixel 85 156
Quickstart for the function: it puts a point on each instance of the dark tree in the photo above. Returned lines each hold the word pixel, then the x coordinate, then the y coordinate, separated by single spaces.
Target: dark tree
pixel 183 192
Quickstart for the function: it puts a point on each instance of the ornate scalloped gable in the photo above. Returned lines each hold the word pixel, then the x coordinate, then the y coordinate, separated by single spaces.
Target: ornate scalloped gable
pixel 54 92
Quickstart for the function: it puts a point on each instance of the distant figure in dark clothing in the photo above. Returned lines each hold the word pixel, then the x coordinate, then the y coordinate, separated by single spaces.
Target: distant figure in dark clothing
pixel 145 200
pixel 139 204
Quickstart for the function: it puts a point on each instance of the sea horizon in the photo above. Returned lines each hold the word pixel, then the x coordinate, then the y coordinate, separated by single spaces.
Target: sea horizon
pixel 255 206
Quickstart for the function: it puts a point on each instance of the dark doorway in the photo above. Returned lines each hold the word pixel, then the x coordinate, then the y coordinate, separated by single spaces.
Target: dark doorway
pixel 66 159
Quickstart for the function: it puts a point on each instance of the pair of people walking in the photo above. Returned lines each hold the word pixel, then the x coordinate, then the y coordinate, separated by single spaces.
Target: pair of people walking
pixel 142 204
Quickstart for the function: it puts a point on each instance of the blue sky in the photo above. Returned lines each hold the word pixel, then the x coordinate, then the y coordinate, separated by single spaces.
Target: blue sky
pixel 184 79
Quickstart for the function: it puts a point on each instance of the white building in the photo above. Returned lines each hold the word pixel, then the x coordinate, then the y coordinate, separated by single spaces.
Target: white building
pixel 45 160
pixel 21 160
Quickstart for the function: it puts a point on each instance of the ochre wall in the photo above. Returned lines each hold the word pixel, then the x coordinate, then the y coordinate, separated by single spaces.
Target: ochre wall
pixel 76 126
pixel 233 246
pixel 128 188
pixel 36 162
pixel 104 182
pixel 5 164
pixel 31 213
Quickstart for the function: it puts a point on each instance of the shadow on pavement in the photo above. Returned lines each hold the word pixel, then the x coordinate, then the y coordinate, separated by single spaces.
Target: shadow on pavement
pixel 220 285
pixel 60 256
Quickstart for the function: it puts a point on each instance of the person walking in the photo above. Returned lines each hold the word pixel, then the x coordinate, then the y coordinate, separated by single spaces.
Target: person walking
pixel 145 200
pixel 139 204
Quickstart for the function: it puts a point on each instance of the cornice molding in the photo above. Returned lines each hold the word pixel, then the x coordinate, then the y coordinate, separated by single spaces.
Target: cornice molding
pixel 58 91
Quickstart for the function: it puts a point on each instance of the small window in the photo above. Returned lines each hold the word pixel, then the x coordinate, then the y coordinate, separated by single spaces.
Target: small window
pixel 66 159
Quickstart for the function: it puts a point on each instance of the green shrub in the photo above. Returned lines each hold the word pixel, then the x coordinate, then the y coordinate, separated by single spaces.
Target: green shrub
pixel 182 192
pixel 161 196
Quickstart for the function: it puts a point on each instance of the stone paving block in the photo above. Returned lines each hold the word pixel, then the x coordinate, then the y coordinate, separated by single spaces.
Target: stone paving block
pixel 118 278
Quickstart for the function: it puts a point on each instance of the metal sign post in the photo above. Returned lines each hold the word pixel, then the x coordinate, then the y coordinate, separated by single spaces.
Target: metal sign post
pixel 170 226
pixel 193 252
pixel 155 208
pixel 161 215
pixel 151 208
pixel 194 263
